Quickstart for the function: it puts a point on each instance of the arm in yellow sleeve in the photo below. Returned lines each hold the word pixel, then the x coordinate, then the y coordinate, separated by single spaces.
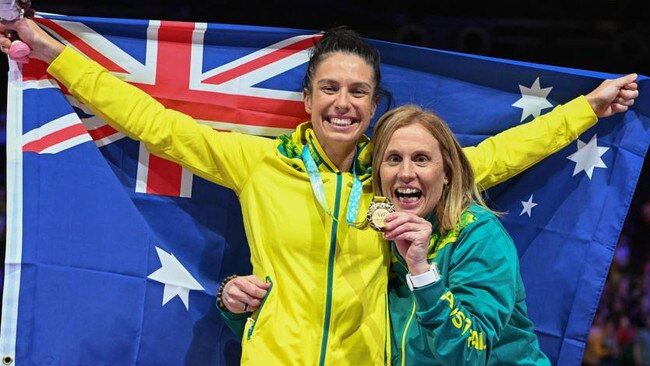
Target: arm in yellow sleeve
pixel 512 151
pixel 221 157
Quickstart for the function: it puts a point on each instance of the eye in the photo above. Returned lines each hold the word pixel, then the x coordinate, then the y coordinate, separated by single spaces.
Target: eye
pixel 421 159
pixel 328 89
pixel 359 93
pixel 392 159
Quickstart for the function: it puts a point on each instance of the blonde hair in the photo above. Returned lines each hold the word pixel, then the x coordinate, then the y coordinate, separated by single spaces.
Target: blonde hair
pixel 460 191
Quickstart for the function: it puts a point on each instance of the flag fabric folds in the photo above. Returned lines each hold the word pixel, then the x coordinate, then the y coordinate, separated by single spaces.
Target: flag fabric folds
pixel 114 256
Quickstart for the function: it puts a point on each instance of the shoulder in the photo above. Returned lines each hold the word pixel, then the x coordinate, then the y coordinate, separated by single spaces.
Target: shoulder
pixel 476 215
pixel 483 227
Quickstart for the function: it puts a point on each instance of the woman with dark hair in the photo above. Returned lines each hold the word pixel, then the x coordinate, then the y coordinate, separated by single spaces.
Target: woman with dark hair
pixel 304 196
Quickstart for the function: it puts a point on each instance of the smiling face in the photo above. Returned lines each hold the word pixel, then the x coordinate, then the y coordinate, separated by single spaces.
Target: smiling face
pixel 412 170
pixel 341 101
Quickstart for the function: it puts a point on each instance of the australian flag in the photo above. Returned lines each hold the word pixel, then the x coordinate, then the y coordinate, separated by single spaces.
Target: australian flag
pixel 114 256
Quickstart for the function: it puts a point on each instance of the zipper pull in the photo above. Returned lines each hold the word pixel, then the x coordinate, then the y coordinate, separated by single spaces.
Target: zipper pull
pixel 251 322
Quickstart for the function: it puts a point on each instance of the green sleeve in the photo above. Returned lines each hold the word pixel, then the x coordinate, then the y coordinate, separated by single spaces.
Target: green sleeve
pixel 236 322
pixel 224 158
pixel 463 317
pixel 501 157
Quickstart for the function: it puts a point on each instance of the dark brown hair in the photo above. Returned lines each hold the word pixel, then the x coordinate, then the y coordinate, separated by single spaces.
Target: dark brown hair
pixel 345 40
pixel 26 5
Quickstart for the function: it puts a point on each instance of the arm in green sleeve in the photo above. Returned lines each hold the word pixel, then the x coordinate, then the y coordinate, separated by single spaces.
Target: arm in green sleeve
pixel 463 317
pixel 512 151
pixel 236 322
pixel 224 158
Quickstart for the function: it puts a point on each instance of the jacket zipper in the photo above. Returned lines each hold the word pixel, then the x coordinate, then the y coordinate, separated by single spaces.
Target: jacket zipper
pixel 402 262
pixel 259 311
pixel 405 333
pixel 330 271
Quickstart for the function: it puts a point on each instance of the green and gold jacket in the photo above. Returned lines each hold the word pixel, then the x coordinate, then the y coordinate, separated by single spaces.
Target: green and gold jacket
pixel 476 313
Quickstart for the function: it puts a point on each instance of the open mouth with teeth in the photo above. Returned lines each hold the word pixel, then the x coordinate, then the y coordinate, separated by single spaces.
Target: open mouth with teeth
pixel 407 195
pixel 341 122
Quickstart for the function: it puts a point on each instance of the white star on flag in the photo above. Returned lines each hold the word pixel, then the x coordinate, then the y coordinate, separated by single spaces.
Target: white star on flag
pixel 588 157
pixel 528 206
pixel 533 100
pixel 178 281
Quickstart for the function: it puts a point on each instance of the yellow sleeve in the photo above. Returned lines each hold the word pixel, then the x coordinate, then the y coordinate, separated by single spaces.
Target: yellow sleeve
pixel 512 151
pixel 221 157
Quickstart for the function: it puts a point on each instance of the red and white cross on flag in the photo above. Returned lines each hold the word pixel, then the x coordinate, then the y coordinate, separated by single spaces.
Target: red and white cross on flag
pixel 224 97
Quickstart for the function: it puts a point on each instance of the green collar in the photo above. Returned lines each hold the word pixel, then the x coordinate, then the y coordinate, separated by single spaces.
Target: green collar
pixel 291 146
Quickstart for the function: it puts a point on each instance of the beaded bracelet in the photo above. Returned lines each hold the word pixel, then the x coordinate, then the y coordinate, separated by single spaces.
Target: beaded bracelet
pixel 220 303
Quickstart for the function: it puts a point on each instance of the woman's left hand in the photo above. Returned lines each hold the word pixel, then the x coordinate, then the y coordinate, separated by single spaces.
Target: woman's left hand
pixel 411 234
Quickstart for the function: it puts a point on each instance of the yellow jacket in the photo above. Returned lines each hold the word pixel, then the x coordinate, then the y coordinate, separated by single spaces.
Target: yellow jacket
pixel 328 300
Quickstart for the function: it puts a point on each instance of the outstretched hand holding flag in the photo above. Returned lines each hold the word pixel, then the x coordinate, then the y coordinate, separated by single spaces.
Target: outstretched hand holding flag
pixel 11 10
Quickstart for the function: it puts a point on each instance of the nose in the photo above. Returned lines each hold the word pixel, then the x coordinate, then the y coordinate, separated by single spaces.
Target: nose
pixel 406 172
pixel 342 102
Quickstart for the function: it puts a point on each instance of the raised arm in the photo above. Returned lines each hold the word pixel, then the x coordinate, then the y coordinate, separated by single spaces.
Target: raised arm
pixel 510 152
pixel 223 158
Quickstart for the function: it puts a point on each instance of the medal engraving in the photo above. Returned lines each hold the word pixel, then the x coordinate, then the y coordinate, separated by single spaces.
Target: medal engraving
pixel 379 208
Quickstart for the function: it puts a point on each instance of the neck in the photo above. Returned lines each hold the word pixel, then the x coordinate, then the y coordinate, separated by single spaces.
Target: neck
pixel 341 156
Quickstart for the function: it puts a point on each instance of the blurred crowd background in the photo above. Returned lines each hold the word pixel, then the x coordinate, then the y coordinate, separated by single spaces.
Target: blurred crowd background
pixel 604 35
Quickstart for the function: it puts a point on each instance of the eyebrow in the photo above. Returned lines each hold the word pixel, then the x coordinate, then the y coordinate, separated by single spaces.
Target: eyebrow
pixel 416 152
pixel 332 81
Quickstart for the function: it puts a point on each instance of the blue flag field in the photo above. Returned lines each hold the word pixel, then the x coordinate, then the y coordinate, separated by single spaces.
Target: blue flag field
pixel 114 256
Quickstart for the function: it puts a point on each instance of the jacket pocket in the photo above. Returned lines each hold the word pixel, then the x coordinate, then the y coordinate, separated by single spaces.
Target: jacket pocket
pixel 252 321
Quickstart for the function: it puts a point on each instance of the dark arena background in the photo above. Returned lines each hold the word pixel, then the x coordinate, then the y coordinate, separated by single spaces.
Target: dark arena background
pixel 611 36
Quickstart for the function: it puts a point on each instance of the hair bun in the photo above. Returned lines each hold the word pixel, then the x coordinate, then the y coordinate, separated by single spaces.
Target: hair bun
pixel 26 5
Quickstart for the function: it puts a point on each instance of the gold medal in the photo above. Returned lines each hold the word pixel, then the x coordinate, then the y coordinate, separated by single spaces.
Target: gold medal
pixel 379 208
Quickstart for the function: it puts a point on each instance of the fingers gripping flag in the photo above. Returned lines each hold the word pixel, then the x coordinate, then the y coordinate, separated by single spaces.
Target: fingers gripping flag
pixel 114 256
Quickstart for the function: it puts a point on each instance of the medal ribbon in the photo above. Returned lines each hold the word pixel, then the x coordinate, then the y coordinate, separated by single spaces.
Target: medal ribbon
pixel 319 191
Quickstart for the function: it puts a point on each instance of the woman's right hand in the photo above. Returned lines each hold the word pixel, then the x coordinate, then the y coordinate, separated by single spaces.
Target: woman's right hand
pixel 411 234
pixel 244 294
pixel 44 47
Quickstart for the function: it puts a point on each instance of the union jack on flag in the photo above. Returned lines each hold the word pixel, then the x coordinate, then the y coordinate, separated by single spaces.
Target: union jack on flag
pixel 169 64
pixel 114 256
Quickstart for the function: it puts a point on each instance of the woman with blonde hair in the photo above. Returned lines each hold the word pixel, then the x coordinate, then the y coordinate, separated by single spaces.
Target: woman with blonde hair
pixel 456 296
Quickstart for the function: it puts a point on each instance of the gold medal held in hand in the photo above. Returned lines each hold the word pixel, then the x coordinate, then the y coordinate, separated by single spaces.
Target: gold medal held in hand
pixel 379 208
